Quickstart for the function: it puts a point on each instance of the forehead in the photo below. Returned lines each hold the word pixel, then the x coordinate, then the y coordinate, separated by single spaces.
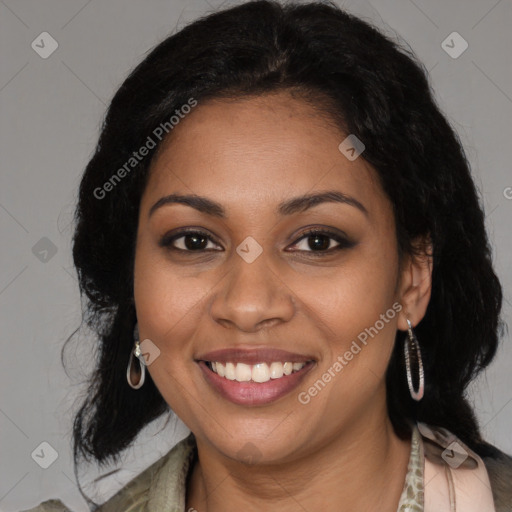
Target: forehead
pixel 258 151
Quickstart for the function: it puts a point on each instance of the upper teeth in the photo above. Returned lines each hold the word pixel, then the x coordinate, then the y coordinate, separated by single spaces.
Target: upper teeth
pixel 260 372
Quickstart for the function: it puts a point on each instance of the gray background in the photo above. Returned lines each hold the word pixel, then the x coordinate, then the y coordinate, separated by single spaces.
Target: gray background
pixel 51 111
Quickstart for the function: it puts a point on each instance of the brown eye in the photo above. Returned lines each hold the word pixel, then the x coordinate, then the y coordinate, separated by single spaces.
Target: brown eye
pixel 319 242
pixel 189 241
pixel 322 241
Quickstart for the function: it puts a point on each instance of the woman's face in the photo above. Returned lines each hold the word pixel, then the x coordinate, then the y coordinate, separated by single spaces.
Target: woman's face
pixel 254 282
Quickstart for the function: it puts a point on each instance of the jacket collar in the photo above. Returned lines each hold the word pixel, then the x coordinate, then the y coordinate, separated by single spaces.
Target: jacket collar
pixel 434 446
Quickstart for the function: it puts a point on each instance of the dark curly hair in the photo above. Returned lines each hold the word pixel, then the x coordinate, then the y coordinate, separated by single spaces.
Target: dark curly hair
pixel 368 85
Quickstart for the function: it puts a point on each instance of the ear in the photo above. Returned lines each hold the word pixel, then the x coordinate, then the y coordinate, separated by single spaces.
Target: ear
pixel 415 283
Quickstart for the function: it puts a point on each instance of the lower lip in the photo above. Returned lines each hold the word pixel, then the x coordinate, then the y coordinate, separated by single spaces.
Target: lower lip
pixel 254 393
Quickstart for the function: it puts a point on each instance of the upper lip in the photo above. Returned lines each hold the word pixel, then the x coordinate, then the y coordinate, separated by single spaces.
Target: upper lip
pixel 253 356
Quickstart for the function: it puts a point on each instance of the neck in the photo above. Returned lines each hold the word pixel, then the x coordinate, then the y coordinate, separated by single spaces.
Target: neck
pixel 364 468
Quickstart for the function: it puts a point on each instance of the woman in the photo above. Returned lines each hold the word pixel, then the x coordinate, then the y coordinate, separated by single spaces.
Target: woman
pixel 280 241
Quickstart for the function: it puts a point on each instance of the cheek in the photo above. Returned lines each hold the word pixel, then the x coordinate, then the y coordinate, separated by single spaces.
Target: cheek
pixel 353 297
pixel 166 310
pixel 353 310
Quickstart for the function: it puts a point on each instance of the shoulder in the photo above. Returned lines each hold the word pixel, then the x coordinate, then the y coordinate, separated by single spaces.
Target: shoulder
pixel 437 441
pixel 499 469
pixel 136 493
pixel 49 506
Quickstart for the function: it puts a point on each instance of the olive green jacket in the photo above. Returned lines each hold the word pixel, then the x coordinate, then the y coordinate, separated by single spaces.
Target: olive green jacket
pixel 162 486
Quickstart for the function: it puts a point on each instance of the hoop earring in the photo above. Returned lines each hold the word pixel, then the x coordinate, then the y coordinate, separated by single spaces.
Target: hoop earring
pixel 411 345
pixel 136 353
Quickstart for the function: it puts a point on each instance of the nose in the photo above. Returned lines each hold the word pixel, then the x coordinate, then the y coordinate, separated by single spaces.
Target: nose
pixel 252 296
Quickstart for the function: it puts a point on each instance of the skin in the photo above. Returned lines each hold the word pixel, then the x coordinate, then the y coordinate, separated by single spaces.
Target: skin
pixel 338 452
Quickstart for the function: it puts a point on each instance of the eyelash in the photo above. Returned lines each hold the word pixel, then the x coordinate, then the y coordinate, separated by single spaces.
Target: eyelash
pixel 343 242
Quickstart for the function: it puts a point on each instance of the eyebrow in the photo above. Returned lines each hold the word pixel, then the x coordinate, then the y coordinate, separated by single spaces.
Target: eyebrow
pixel 288 207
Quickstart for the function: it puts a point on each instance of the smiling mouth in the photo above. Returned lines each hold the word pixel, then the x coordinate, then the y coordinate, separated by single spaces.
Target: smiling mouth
pixel 260 372
pixel 257 384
